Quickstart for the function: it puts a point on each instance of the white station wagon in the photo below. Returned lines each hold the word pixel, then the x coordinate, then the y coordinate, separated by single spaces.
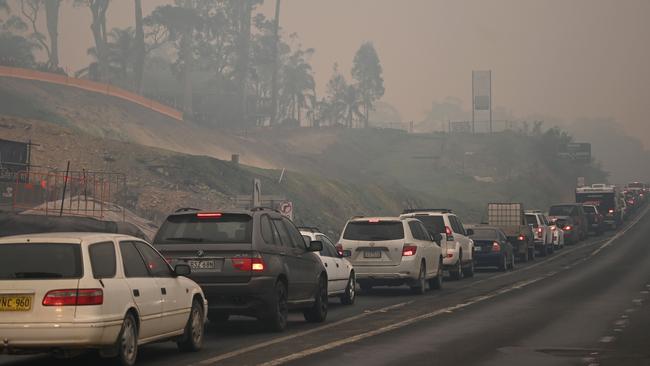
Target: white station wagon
pixel 66 292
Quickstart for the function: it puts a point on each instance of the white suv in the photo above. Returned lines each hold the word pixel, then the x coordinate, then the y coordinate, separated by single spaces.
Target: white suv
pixel 457 247
pixel 341 280
pixel 542 232
pixel 392 251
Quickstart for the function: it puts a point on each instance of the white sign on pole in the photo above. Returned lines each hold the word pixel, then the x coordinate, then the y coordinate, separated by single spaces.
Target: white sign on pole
pixel 286 209
pixel 257 193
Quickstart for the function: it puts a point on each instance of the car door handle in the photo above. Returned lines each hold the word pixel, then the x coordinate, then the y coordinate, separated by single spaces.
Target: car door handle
pixel 337 265
pixel 325 264
pixel 136 292
pixel 163 291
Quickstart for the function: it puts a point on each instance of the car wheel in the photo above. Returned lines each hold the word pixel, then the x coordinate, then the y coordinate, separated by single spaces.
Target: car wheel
pixel 127 341
pixel 468 271
pixel 531 253
pixel 421 285
pixel 436 282
pixel 192 339
pixel 503 266
pixel 317 313
pixel 457 272
pixel 276 320
pixel 350 291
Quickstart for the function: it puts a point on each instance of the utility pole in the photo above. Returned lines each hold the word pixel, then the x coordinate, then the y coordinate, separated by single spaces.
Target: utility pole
pixel 274 77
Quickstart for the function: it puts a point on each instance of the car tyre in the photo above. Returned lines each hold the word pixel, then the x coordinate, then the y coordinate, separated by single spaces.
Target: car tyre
pixel 457 272
pixel 436 282
pixel 503 266
pixel 420 286
pixel 468 271
pixel 350 291
pixel 317 313
pixel 192 339
pixel 127 341
pixel 512 262
pixel 276 320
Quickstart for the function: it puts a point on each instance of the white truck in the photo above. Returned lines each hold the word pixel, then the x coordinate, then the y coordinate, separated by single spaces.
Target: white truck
pixel 510 218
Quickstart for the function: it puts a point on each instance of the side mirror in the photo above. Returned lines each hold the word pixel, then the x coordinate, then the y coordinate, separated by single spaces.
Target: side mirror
pixel 182 270
pixel 437 237
pixel 315 246
pixel 470 232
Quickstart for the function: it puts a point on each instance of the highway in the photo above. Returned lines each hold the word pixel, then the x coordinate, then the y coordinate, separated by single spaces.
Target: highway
pixel 587 304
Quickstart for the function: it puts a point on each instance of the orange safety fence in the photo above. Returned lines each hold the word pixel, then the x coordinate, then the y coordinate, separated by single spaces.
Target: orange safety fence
pixel 92 86
pixel 84 193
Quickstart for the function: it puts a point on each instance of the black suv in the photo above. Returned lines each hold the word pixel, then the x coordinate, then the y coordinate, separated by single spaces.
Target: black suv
pixel 248 262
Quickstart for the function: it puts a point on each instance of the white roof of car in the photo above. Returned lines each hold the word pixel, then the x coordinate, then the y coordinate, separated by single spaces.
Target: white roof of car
pixel 64 237
pixel 369 218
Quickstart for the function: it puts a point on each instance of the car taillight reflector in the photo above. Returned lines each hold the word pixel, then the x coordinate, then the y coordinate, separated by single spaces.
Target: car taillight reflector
pixel 611 211
pixel 208 215
pixel 72 297
pixel 248 264
pixel 409 250
pixel 521 238
pixel 339 249
pixel 496 247
pixel 449 233
pixel 567 228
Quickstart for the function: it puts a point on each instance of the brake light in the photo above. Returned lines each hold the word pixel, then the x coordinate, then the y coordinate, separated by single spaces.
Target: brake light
pixel 339 249
pixel 73 297
pixel 568 227
pixel 521 238
pixel 611 211
pixel 409 250
pixel 373 221
pixel 496 247
pixel 248 264
pixel 208 215
pixel 539 232
pixel 449 233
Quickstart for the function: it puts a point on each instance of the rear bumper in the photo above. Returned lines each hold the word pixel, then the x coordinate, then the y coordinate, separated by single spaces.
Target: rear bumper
pixel 248 298
pixel 405 272
pixel 44 336
pixel 492 259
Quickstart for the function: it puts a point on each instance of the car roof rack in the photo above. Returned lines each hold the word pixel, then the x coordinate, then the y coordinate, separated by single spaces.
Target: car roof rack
pixel 312 229
pixel 414 210
pixel 185 209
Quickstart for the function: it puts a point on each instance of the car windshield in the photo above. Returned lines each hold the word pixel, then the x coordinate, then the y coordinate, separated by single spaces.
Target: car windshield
pixel 589 209
pixel 433 224
pixel 564 210
pixel 485 234
pixel 40 261
pixel 208 229
pixel 370 231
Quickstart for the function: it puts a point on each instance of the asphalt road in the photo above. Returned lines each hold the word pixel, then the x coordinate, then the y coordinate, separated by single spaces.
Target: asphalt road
pixel 587 304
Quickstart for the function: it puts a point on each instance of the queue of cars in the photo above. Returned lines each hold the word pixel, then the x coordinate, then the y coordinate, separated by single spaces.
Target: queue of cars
pixel 64 293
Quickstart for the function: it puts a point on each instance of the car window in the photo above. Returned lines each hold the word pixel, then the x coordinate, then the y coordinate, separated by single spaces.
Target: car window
pixel 374 231
pixel 42 261
pixel 416 230
pixel 455 226
pixel 294 233
pixel 157 265
pixel 461 227
pixel 328 248
pixel 425 234
pixel 102 259
pixel 485 234
pixel 212 228
pixel 266 230
pixel 132 261
pixel 282 232
pixel 433 224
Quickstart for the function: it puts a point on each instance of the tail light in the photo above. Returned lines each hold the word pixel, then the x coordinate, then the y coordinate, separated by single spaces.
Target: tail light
pixel 521 238
pixel 248 264
pixel 74 297
pixel 496 247
pixel 539 232
pixel 568 227
pixel 339 249
pixel 449 233
pixel 409 250
pixel 611 211
pixel 209 215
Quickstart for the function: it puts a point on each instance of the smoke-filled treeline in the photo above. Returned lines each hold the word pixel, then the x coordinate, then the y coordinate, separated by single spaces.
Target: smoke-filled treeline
pixel 219 61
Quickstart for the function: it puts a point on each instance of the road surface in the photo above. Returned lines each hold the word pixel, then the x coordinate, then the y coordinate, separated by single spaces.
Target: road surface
pixel 587 304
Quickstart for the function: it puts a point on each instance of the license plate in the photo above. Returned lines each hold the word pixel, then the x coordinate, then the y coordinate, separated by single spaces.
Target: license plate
pixel 478 249
pixel 372 253
pixel 16 302
pixel 199 265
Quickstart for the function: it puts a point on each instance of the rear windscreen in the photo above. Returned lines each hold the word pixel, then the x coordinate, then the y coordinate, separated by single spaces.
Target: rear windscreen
pixel 434 224
pixel 531 220
pixel 379 231
pixel 485 234
pixel 603 201
pixel 191 229
pixel 590 209
pixel 561 210
pixel 40 261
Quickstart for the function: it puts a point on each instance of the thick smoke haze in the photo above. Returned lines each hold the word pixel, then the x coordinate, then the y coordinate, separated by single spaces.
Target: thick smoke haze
pixel 570 59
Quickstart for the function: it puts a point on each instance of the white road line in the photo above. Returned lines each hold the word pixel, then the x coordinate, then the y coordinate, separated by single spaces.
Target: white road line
pixel 401 324
pixel 300 334
pixel 621 233
pixel 608 339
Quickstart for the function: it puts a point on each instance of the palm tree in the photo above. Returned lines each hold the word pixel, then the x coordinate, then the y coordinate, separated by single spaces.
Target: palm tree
pixel 299 85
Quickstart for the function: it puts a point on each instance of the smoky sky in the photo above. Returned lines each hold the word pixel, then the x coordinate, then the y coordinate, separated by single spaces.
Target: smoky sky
pixel 565 58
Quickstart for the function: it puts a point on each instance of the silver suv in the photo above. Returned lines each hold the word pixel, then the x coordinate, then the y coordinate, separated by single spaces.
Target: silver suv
pixel 457 247
pixel 392 251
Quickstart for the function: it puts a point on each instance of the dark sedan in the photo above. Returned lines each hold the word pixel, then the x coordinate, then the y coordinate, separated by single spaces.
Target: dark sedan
pixel 492 248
